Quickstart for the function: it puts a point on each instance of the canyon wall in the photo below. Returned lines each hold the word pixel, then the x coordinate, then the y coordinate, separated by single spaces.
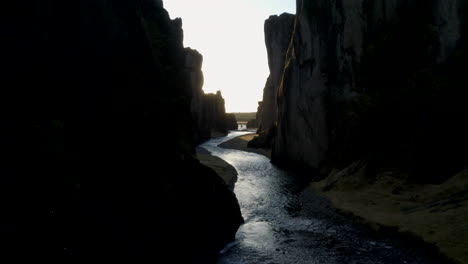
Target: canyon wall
pixel 208 110
pixel 209 114
pixel 376 80
pixel 278 31
pixel 104 101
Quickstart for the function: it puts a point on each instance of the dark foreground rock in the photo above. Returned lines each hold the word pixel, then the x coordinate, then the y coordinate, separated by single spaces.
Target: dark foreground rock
pixel 221 167
pixel 90 102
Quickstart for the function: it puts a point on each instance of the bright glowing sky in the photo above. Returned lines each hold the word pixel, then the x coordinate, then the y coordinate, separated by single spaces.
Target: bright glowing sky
pixel 229 35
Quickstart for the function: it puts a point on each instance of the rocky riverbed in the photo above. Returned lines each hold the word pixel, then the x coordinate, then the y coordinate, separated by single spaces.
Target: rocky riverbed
pixel 285 224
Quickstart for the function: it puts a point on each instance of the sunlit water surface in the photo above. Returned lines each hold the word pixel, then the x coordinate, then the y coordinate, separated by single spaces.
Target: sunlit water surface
pixel 283 225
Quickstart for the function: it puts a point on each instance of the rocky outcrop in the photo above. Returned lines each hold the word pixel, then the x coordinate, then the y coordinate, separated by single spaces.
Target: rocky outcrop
pixel 208 110
pixel 372 80
pixel 106 104
pixel 278 31
pixel 231 122
pixel 211 117
pixel 255 123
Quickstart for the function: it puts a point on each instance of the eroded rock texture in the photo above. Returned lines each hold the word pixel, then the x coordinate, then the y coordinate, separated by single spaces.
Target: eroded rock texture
pixel 381 80
pixel 103 105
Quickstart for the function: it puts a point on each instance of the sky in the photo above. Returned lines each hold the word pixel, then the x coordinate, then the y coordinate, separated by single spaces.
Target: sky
pixel 229 34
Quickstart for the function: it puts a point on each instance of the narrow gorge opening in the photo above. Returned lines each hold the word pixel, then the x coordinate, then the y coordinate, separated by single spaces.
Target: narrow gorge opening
pixel 320 112
pixel 230 36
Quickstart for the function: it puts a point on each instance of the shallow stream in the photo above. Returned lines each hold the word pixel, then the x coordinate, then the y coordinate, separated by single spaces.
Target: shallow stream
pixel 284 224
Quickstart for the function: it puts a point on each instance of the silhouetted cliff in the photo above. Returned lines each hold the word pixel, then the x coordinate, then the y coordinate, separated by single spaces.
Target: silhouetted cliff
pixel 104 101
pixel 210 116
pixel 254 123
pixel 376 80
pixel 278 31
pixel 208 110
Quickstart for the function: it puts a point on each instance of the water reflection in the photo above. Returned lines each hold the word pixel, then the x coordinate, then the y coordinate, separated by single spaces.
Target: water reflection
pixel 279 230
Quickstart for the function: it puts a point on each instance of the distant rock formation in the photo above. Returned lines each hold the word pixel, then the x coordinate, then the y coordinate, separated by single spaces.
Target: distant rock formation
pixel 231 122
pixel 210 116
pixel 251 124
pixel 255 123
pixel 208 110
pixel 377 80
pixel 106 104
pixel 278 31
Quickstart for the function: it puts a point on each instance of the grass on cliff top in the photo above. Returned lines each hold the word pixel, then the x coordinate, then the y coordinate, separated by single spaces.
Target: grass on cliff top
pixel 436 213
pixel 245 117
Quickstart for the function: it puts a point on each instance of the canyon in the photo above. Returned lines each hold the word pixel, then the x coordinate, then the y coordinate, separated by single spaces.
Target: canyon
pixel 101 119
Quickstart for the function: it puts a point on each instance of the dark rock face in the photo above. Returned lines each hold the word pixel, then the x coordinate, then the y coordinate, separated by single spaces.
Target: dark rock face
pixel 208 110
pixel 210 116
pixel 255 123
pixel 278 31
pixel 231 122
pixel 109 109
pixel 367 79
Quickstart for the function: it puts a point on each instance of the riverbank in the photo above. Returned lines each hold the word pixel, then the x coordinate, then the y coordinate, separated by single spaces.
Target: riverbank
pixel 435 214
pixel 240 143
pixel 222 168
pixel 284 224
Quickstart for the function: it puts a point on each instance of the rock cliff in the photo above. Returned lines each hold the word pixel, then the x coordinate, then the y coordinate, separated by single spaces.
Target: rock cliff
pixel 376 80
pixel 104 101
pixel 278 31
pixel 208 110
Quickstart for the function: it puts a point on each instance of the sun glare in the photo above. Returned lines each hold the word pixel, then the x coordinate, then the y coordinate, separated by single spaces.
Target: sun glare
pixel 229 35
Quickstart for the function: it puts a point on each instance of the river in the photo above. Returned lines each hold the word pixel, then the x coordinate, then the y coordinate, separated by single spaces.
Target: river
pixel 284 224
